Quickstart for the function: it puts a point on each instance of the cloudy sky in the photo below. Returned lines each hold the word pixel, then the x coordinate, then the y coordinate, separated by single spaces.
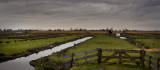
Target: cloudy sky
pixel 89 14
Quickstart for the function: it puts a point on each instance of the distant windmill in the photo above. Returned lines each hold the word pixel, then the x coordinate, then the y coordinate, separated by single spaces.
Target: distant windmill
pixel 125 30
pixel 110 31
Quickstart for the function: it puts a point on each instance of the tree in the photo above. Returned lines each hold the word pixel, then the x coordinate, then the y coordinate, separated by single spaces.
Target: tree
pixel 49 29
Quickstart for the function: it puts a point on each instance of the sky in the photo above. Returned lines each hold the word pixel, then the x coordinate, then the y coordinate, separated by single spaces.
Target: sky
pixel 88 14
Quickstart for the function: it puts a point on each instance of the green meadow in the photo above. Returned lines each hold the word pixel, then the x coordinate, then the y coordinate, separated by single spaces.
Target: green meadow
pixel 9 40
pixel 18 47
pixel 152 43
pixel 99 41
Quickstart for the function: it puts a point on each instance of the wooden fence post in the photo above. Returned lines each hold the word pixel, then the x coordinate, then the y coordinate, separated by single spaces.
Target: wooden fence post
pixel 142 59
pixel 158 64
pixel 71 65
pixel 120 57
pixel 149 62
pixel 86 56
pixel 99 55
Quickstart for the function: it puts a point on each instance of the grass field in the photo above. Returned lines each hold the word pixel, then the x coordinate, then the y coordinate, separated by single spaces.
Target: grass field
pixel 104 42
pixel 18 47
pixel 107 67
pixel 152 43
pixel 99 41
pixel 140 36
pixel 9 40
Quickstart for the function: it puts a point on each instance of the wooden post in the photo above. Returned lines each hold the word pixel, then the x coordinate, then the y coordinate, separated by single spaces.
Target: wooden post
pixel 157 63
pixel 86 56
pixel 149 62
pixel 144 53
pixel 142 59
pixel 71 65
pixel 99 55
pixel 120 57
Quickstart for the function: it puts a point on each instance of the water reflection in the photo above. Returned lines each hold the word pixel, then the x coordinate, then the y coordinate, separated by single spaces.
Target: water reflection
pixel 23 62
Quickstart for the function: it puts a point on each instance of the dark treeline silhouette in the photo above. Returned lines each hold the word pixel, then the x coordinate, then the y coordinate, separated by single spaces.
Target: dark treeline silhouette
pixel 17 31
pixel 110 31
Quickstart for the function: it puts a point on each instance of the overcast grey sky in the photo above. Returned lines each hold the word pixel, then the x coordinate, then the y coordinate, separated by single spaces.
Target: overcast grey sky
pixel 89 14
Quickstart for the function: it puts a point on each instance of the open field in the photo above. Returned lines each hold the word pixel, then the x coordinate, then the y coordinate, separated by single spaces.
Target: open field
pixel 99 41
pixel 9 40
pixel 152 43
pixel 104 42
pixel 10 44
pixel 11 47
pixel 18 47
pixel 95 66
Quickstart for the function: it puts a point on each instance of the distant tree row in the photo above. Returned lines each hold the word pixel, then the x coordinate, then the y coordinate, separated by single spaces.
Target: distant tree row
pixel 81 29
pixel 110 30
pixel 16 31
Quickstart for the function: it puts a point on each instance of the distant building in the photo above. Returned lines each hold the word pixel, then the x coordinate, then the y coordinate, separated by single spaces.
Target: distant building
pixel 118 34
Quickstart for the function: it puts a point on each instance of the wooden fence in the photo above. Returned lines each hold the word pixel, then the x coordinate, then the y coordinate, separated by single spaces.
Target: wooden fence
pixel 120 54
pixel 123 56
pixel 72 60
pixel 152 62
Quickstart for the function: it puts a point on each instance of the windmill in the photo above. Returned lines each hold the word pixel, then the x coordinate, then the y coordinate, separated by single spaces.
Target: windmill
pixel 110 31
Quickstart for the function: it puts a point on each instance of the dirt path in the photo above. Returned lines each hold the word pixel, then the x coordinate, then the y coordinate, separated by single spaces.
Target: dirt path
pixel 155 50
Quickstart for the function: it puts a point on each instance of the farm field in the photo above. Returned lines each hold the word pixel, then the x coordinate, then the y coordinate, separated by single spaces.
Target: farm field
pixel 18 47
pixel 151 41
pixel 99 41
pixel 13 48
pixel 9 40
pixel 95 66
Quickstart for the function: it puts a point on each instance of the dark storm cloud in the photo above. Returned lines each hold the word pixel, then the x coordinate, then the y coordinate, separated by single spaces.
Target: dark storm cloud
pixel 102 13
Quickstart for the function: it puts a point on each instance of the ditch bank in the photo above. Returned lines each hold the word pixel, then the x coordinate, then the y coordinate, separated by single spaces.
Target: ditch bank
pixel 23 62
pixel 54 61
pixel 4 58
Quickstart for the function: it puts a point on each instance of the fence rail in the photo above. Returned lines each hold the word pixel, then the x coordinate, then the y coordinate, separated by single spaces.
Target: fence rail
pixel 153 62
pixel 121 50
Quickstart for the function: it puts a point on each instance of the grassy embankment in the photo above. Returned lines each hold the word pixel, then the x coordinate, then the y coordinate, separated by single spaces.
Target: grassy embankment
pixel 18 47
pixel 152 43
pixel 100 41
pixel 150 40
pixel 9 40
